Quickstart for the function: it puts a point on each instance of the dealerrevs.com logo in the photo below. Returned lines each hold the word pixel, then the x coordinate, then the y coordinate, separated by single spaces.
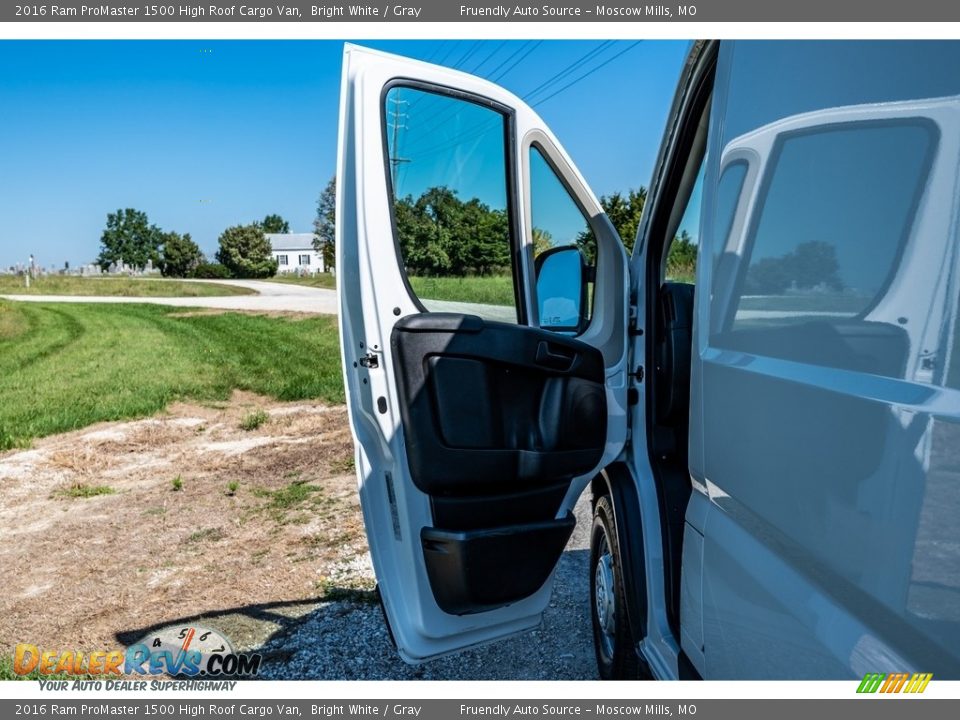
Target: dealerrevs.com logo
pixel 178 650
pixel 894 683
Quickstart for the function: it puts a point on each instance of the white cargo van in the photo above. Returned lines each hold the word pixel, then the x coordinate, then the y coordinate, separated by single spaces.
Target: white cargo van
pixel 772 447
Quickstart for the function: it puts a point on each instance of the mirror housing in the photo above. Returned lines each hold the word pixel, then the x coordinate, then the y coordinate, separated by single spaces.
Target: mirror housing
pixel 562 289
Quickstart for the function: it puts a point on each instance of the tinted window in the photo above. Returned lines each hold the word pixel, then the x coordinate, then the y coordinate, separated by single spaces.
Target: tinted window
pixel 447 164
pixel 557 221
pixel 838 248
pixel 834 213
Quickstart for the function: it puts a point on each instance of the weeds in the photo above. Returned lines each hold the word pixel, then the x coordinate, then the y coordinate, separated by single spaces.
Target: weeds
pixel 82 490
pixel 254 420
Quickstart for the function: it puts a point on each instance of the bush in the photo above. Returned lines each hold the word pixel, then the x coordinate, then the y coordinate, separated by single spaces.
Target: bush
pixel 180 255
pixel 246 252
pixel 211 271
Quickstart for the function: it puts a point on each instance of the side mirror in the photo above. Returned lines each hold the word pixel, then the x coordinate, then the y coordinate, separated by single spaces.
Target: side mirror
pixel 561 288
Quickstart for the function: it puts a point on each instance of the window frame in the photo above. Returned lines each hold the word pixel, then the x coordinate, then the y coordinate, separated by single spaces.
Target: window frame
pixel 283 260
pixel 510 172
pixel 537 145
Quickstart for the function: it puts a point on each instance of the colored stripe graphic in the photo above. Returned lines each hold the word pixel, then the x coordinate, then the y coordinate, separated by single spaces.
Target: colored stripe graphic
pixel 894 682
pixel 871 682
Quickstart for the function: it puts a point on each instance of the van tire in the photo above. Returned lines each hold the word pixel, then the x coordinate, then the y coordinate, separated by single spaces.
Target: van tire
pixel 612 642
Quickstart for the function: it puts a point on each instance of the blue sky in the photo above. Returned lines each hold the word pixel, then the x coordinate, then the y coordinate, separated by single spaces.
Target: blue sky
pixel 205 135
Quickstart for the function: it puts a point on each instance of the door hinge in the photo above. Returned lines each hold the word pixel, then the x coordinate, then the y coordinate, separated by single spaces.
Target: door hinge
pixel 370 360
pixel 637 374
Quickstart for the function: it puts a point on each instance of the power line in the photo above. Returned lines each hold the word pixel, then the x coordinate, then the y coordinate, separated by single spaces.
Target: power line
pixel 483 126
pixel 588 73
pixel 466 56
pixel 518 61
pixel 436 51
pixel 487 58
pixel 568 69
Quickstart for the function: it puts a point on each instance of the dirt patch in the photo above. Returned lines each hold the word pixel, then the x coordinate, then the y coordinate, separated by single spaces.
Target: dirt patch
pixel 122 527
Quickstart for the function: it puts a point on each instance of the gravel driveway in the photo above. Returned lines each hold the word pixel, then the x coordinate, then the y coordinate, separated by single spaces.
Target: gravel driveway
pixel 348 640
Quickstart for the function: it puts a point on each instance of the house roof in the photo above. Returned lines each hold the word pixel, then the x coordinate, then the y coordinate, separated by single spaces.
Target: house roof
pixel 291 241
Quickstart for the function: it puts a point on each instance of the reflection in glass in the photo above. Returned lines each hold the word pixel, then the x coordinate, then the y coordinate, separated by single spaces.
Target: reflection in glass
pixel 560 288
pixel 446 159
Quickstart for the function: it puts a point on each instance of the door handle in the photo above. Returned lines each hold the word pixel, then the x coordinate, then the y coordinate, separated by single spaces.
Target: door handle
pixel 555 358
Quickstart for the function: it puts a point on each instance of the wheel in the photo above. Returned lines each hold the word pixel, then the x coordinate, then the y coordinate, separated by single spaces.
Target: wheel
pixel 616 657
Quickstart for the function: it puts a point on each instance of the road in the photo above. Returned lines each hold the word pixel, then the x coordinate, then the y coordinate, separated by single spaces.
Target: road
pixel 271 297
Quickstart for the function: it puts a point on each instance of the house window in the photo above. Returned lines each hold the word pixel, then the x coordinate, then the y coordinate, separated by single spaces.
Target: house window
pixel 304 259
pixel 282 260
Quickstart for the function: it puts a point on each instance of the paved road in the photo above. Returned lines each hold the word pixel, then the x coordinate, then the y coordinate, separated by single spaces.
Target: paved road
pixel 276 297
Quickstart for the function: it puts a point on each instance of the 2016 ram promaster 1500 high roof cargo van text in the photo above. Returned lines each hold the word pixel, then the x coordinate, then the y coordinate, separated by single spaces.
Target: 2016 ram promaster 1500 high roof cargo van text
pixel 773 451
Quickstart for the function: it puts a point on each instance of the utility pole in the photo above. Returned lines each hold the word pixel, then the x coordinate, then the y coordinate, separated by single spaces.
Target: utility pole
pixel 395 158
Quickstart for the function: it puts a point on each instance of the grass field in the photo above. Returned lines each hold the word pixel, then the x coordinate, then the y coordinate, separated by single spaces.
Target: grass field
pixel 125 286
pixel 320 280
pixel 488 290
pixel 63 367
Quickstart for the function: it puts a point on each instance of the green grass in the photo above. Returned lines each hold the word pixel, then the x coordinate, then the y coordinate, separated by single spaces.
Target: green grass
pixel 80 490
pixel 320 280
pixel 254 420
pixel 125 286
pixel 286 504
pixel 488 290
pixel 66 366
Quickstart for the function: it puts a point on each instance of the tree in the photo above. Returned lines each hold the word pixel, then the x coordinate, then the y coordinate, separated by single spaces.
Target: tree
pixel 245 251
pixel 275 224
pixel 624 212
pixel 542 241
pixel 129 237
pixel 439 234
pixel 682 257
pixel 180 255
pixel 324 240
pixel 811 265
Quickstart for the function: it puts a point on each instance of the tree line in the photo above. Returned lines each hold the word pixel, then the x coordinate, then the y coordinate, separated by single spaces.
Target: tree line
pixel 438 234
pixel 442 234
pixel 244 250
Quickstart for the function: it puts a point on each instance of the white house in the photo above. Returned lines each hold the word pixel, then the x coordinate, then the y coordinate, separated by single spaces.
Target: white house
pixel 294 253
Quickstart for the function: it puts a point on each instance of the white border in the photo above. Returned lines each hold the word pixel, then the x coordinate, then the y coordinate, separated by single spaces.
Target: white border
pixel 627 30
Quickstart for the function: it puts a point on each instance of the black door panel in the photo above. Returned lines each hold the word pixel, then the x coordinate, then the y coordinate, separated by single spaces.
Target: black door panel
pixel 487 409
pixel 498 419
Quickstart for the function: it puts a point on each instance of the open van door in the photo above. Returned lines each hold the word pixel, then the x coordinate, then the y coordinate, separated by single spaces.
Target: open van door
pixel 483 344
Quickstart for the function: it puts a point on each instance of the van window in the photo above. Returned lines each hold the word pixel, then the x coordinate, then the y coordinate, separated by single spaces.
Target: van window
pixel 681 265
pixel 447 166
pixel 823 245
pixel 558 221
pixel 834 210
pixel 839 247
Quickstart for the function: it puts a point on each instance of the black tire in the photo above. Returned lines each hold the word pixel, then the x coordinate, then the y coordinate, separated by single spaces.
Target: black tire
pixel 612 641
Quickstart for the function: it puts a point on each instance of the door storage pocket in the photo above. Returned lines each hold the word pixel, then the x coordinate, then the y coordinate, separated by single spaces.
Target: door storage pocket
pixel 476 570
